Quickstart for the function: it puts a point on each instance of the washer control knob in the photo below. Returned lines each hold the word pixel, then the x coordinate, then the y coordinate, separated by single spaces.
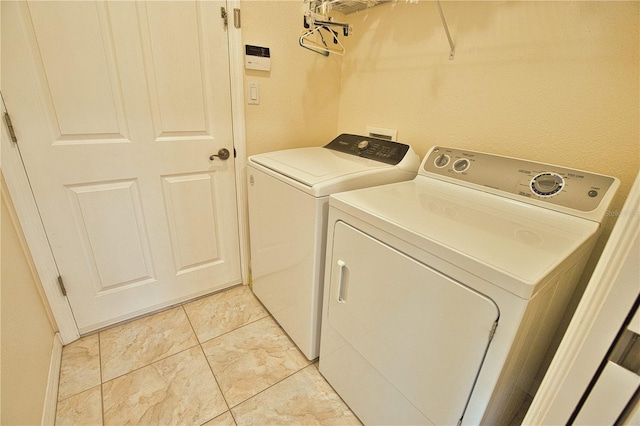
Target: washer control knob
pixel 461 165
pixel 547 184
pixel 362 145
pixel 441 160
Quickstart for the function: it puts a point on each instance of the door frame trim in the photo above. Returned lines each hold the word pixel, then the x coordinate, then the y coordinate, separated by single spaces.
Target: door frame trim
pixel 236 77
pixel 25 205
pixel 17 182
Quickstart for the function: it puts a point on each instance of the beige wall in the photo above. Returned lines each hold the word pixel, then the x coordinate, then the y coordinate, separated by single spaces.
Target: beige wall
pixel 548 81
pixel 26 330
pixel 299 96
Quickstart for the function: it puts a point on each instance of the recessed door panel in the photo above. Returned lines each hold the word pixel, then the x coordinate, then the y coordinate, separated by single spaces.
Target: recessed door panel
pixel 423 332
pixel 119 253
pixel 191 210
pixel 77 70
pixel 174 63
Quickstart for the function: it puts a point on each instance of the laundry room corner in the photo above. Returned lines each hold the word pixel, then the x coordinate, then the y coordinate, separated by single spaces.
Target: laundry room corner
pixel 299 95
pixel 548 81
pixel 30 344
pixel 553 82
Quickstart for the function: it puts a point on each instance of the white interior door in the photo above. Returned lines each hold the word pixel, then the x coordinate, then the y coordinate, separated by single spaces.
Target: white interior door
pixel 117 107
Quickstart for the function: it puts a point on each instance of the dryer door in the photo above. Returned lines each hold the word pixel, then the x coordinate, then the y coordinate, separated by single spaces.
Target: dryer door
pixel 401 343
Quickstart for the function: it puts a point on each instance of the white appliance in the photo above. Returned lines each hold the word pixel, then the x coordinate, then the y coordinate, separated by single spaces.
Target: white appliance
pixel 288 204
pixel 595 374
pixel 442 294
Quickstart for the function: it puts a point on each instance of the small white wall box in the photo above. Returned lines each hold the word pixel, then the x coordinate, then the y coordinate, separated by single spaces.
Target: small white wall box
pixel 257 58
pixel 379 132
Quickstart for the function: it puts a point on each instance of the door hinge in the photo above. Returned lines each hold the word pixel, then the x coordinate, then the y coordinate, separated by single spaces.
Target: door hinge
pixel 493 330
pixel 224 16
pixel 236 18
pixel 12 132
pixel 61 284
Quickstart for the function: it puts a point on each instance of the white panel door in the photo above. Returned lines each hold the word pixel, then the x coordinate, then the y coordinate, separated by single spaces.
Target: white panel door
pixel 117 107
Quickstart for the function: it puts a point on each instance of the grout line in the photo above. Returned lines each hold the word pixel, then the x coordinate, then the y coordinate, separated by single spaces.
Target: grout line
pixel 235 329
pixel 160 310
pixel 166 355
pixel 83 389
pixel 150 363
pixel 101 378
pixel 224 398
pixel 217 384
pixel 100 357
pixel 270 386
pixel 200 345
pixel 268 315
pixel 176 307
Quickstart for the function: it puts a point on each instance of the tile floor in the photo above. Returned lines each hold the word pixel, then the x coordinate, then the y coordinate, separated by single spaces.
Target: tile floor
pixel 219 360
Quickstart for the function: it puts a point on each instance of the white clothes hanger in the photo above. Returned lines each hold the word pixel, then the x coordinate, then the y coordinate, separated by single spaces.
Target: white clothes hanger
pixel 308 42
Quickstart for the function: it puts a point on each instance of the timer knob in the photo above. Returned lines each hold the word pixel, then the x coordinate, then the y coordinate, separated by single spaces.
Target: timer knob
pixel 461 165
pixel 362 145
pixel 547 184
pixel 441 160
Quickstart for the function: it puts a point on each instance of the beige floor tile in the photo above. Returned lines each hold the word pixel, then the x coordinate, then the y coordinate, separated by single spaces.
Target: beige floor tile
pixel 222 312
pixel 179 389
pixel 304 398
pixel 225 419
pixel 80 368
pixel 136 344
pixel 82 409
pixel 252 358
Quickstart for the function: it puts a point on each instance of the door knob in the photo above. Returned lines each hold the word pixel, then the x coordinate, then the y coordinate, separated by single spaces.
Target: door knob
pixel 223 154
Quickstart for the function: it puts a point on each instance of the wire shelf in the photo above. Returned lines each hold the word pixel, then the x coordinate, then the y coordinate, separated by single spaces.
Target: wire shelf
pixel 351 6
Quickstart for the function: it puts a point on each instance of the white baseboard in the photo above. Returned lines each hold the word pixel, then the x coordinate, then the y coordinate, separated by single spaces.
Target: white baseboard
pixel 51 397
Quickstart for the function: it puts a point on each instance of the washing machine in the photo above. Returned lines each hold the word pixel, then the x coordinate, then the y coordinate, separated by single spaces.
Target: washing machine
pixel 288 203
pixel 442 294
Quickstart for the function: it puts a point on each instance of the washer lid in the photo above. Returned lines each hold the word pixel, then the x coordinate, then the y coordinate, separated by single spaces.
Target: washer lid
pixel 322 171
pixel 311 166
pixel 508 243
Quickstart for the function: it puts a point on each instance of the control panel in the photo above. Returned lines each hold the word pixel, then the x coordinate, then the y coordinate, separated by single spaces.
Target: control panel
pixel 382 150
pixel 522 179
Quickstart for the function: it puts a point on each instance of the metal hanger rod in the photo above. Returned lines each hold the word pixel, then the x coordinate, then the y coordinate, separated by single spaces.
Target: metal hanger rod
pixel 452 52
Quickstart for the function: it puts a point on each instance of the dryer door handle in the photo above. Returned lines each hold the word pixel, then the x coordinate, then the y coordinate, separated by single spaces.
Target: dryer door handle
pixel 342 288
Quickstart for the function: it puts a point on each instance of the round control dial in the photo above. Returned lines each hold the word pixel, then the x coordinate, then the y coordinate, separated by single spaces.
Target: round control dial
pixel 461 165
pixel 362 145
pixel 547 184
pixel 441 160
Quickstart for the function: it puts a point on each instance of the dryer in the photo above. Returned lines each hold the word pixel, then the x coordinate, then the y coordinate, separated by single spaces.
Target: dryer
pixel 288 195
pixel 442 294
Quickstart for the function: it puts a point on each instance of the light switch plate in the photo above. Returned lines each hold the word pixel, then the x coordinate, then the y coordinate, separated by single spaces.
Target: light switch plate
pixel 253 94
